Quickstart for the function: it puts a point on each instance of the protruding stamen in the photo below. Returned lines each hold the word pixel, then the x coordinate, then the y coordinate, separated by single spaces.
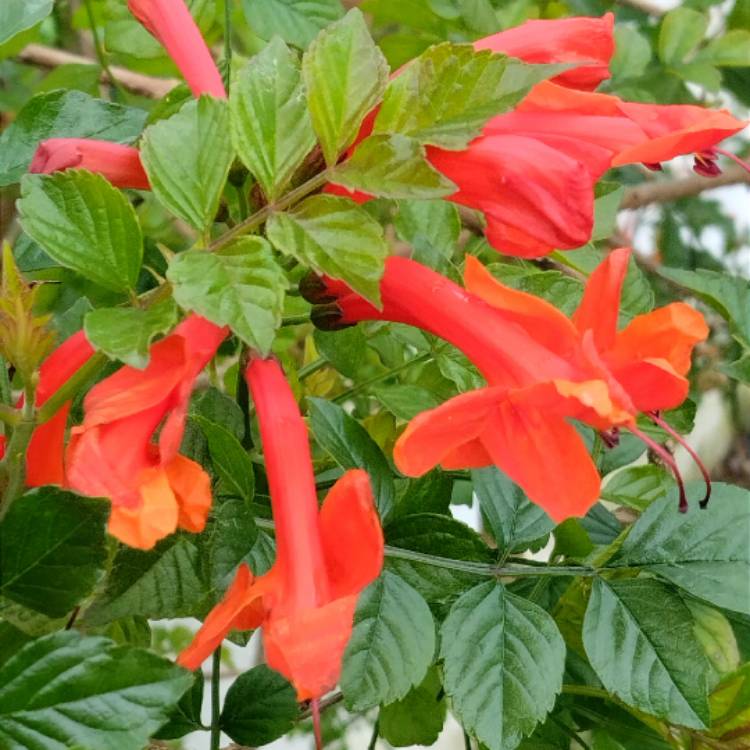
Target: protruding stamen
pixel 705 163
pixel 668 459
pixel 610 438
pixel 736 159
pixel 315 710
pixel 656 418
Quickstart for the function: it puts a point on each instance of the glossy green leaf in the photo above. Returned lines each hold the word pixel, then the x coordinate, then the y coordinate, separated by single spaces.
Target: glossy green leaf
pixel 637 486
pixel 446 95
pixel 392 644
pixel 126 333
pixel 62 114
pixel 334 236
pixel 639 637
pixel 85 224
pixel 260 706
pixel 297 22
pixel 392 166
pixel 704 552
pixel 271 127
pixel 19 15
pixel 431 228
pixel 186 715
pixel 70 691
pixel 345 74
pixel 728 50
pixel 52 549
pixel 240 286
pixel 352 448
pixel 682 30
pixel 503 664
pixel 187 159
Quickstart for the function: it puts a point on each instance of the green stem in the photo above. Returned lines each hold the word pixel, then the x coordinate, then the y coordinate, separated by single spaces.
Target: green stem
pixel 259 217
pixel 375 733
pixel 309 369
pixel 13 474
pixel 215 699
pixel 101 55
pixel 6 392
pixel 587 690
pixel 354 390
pixel 9 415
pixel 228 37
pixel 295 320
pixel 467 741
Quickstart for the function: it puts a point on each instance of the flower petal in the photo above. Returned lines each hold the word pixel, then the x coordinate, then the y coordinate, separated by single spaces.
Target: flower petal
pixel 652 384
pixel 192 488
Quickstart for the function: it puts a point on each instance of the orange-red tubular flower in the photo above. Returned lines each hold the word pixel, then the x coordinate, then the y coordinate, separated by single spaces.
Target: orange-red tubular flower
pixel 542 368
pixel 171 23
pixel 121 165
pixel 324 558
pixel 44 457
pixel 152 487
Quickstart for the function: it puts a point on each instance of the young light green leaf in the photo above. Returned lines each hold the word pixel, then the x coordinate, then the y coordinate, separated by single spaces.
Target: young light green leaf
pixel 260 706
pixel 639 637
pixel 704 552
pixel 187 159
pixel 714 632
pixel 334 236
pixel 85 224
pixel 352 448
pixel 240 286
pixel 392 644
pixel 637 486
pixel 392 166
pixel 19 15
pixel 432 228
pixel 126 333
pixel 682 30
pixel 271 127
pixel 52 549
pixel 345 74
pixel 503 664
pixel 297 22
pixel 728 50
pixel 448 93
pixel 67 690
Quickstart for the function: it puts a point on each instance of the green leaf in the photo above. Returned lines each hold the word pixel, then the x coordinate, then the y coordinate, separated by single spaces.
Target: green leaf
pixel 232 539
pixel 85 224
pixel 418 718
pixel 186 716
pixel 240 286
pixel 66 690
pixel 704 552
pixel 514 520
pixel 346 349
pixel 638 635
pixel 729 50
pixel 336 237
pixel 229 458
pixel 681 31
pixel 259 707
pixel 352 448
pixel 166 581
pixel 632 53
pixel 716 637
pixel 297 22
pixel 430 493
pixel 271 128
pixel 220 408
pixel 637 486
pixel 606 206
pixel 345 74
pixel 447 94
pixel 62 114
pixel 432 228
pixel 730 705
pixel 503 664
pixel 19 15
pixel 405 400
pixel 126 333
pixel 392 166
pixel 190 186
pixel 52 549
pixel 391 647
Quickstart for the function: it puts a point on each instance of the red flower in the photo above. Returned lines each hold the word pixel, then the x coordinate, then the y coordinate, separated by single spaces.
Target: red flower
pixel 324 558
pixel 542 369
pixel 152 487
pixel 171 23
pixel 121 165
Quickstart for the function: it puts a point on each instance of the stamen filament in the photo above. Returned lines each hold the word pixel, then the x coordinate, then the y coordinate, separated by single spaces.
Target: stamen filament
pixel 315 710
pixel 734 158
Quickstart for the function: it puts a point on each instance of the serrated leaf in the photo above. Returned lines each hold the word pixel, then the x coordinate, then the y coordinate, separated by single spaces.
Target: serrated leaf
pixel 704 552
pixel 336 237
pixel 126 333
pixel 638 635
pixel 233 536
pixel 297 22
pixel 405 400
pixel 430 493
pixel 220 408
pixel 503 664
pixel 352 448
pixel 186 716
pixel 164 582
pixel 240 286
pixel 85 224
pixel 229 458
pixel 514 520
pixel 392 166
pixel 66 690
pixel 446 95
pixel 392 644
pixel 19 15
pixel 62 114
pixel 637 486
pixel 271 128
pixel 259 707
pixel 681 31
pixel 52 549
pixel 187 159
pixel 432 228
pixel 345 74
pixel 346 349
